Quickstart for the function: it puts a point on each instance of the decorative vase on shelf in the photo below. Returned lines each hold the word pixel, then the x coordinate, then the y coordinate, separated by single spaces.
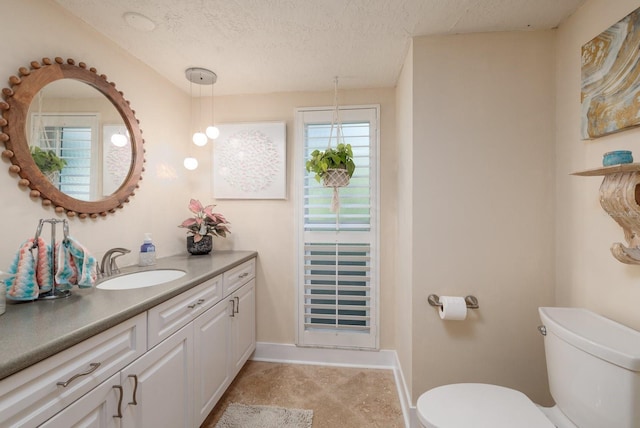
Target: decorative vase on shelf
pixel 203 246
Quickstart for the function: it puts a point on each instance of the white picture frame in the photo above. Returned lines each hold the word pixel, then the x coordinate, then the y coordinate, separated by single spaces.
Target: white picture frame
pixel 250 162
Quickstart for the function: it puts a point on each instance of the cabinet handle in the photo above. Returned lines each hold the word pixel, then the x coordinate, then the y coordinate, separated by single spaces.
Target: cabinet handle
pixel 193 305
pixel 237 299
pixel 233 308
pixel 94 367
pixel 135 389
pixel 119 415
pixel 243 275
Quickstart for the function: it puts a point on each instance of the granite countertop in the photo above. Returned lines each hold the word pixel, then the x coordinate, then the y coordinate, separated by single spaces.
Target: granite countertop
pixel 33 331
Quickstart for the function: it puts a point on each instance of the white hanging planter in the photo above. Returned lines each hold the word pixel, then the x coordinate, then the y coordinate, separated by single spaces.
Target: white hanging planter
pixel 338 177
pixel 53 177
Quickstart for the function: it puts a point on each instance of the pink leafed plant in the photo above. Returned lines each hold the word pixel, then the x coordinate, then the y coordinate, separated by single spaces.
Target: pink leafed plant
pixel 205 221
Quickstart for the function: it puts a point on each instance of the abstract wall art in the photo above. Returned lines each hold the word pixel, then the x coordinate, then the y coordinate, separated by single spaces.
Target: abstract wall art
pixel 249 161
pixel 611 79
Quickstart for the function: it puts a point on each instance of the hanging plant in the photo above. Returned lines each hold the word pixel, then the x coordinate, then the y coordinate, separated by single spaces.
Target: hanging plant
pixel 331 164
pixel 334 166
pixel 47 160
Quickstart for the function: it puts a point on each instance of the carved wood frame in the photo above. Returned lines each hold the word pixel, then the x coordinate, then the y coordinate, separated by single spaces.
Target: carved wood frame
pixel 15 107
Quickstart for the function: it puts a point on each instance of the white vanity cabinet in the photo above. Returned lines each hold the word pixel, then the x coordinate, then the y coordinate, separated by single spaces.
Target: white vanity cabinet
pixel 243 326
pixel 158 387
pixel 238 276
pixel 31 396
pixel 224 338
pixel 212 359
pixel 95 409
pixel 167 367
pixel 168 317
pixel 153 391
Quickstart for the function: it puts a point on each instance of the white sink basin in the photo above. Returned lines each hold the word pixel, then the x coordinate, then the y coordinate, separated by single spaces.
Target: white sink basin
pixel 143 279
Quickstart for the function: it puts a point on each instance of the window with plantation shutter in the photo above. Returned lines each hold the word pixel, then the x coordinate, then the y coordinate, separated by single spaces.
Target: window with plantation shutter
pixel 338 251
pixel 73 137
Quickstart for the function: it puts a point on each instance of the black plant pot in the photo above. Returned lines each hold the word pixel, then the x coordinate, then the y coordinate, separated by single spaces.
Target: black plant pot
pixel 204 246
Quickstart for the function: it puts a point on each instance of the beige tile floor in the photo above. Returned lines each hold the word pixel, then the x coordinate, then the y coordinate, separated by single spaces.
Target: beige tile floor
pixel 343 397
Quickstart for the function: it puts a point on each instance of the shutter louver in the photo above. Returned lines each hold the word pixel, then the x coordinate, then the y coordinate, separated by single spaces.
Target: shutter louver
pixel 75 148
pixel 73 137
pixel 337 289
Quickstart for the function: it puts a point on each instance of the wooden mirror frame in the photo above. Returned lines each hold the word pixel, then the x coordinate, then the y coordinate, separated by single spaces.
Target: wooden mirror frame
pixel 15 108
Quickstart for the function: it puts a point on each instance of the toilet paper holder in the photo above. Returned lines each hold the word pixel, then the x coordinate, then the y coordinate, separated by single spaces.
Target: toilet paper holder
pixel 471 301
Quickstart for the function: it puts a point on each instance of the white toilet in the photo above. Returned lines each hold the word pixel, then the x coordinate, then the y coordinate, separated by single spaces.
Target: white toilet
pixel 593 365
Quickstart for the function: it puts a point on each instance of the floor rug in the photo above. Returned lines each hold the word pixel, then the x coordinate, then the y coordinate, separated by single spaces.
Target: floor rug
pixel 243 416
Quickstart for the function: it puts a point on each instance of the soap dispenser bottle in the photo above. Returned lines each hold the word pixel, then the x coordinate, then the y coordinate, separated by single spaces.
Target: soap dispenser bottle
pixel 147 252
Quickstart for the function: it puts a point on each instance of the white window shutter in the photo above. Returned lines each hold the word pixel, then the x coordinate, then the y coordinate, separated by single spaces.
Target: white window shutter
pixel 338 263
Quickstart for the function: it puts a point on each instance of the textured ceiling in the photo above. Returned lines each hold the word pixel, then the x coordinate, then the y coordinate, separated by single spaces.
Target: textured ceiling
pixel 261 46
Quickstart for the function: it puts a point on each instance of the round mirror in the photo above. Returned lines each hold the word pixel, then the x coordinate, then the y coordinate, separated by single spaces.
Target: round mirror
pixel 72 138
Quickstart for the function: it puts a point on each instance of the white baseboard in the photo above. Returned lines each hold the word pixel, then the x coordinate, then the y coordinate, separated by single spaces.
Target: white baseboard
pixel 383 359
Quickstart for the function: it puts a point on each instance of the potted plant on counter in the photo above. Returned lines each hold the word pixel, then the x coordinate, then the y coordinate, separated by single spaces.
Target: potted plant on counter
pixel 202 227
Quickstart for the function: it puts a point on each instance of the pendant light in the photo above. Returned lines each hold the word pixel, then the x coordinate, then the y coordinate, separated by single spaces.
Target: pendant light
pixel 190 163
pixel 202 76
pixel 199 76
pixel 119 139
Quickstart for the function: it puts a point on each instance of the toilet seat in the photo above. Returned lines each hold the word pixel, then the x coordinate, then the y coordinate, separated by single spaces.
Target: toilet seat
pixel 479 405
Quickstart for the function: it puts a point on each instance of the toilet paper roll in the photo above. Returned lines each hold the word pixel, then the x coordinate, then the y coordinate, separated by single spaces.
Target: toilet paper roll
pixel 453 308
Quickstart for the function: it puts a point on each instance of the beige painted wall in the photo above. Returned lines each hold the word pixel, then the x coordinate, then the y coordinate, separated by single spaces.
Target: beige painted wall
pixel 269 227
pixel 468 195
pixel 161 202
pixel 483 211
pixel 404 258
pixel 587 274
pixel 38 28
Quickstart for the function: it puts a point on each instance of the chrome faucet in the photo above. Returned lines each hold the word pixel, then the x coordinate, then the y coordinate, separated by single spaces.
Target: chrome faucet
pixel 108 265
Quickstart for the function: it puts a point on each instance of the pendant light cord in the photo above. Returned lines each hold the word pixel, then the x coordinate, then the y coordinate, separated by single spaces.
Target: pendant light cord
pixel 199 102
pixel 189 151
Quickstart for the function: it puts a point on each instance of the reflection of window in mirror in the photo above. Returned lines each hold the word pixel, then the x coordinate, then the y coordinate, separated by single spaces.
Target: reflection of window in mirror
pixel 74 139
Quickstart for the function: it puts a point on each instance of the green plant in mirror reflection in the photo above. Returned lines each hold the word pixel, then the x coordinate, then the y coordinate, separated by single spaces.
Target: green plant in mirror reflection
pixel 47 160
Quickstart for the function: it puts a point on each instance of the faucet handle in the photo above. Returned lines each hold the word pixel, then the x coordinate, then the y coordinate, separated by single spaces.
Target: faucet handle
pixel 120 251
pixel 108 265
pixel 113 264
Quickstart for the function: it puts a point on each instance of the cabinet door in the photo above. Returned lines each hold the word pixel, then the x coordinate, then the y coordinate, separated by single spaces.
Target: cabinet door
pixel 243 326
pixel 211 339
pixel 35 394
pixel 97 409
pixel 158 386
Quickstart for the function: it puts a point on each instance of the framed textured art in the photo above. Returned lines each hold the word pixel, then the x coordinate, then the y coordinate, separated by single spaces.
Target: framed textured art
pixel 116 158
pixel 249 161
pixel 611 79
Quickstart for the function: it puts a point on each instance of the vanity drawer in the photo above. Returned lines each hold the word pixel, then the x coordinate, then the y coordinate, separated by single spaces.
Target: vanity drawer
pixel 238 276
pixel 33 395
pixel 168 317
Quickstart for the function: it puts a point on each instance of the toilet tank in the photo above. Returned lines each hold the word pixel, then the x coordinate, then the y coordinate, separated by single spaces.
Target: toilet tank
pixel 593 365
